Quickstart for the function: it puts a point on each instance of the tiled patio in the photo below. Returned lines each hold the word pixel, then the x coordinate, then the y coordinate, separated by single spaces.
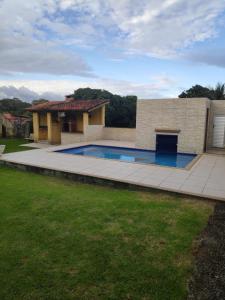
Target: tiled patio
pixel 206 178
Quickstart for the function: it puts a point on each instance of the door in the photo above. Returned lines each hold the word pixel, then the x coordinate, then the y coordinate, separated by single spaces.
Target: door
pixel 218 131
pixel 4 131
pixel 166 143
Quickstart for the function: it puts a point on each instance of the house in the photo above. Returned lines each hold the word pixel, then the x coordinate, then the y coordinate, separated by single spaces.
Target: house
pixel 69 121
pixel 14 126
pixel 184 125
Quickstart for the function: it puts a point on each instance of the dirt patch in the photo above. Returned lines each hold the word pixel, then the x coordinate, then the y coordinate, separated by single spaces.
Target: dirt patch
pixel 208 280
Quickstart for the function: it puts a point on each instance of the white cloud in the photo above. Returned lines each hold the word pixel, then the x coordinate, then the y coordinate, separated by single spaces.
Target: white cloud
pixel 157 87
pixel 152 27
pixel 40 36
pixel 26 44
pixel 26 94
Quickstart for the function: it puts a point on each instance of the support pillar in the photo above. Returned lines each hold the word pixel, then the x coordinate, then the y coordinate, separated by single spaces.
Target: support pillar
pixel 85 121
pixel 54 130
pixel 103 115
pixel 36 126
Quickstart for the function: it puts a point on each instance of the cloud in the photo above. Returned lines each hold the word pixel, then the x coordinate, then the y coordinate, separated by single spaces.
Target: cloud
pixel 157 87
pixel 150 27
pixel 28 47
pixel 26 94
pixel 214 56
pixel 45 36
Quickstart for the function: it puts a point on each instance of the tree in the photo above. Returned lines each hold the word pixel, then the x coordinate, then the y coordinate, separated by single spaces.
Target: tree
pixel 219 91
pixel 120 112
pixel 39 101
pixel 14 106
pixel 197 91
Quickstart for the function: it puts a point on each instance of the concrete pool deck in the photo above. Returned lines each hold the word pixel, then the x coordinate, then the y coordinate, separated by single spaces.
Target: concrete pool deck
pixel 206 178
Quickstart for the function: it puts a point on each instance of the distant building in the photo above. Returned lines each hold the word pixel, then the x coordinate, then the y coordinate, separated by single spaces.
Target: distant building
pixel 14 126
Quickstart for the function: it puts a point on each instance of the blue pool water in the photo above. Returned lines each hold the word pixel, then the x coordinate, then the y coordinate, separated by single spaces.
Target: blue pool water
pixel 179 160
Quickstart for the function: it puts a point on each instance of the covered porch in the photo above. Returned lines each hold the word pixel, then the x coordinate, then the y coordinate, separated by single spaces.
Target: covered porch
pixel 68 121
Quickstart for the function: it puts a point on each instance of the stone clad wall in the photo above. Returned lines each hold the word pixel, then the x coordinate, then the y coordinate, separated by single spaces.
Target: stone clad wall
pixel 186 115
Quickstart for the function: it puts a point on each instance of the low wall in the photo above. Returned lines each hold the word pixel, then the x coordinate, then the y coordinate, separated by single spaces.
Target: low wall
pixel 71 138
pixel 98 132
pixel 119 134
pixel 93 132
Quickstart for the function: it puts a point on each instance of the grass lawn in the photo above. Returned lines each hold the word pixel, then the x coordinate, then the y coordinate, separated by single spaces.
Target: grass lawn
pixel 13 144
pixel 65 240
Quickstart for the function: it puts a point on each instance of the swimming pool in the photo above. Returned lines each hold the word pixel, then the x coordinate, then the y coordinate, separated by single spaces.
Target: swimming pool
pixel 179 160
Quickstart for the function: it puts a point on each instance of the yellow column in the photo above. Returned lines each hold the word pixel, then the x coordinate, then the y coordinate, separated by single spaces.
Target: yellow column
pixel 54 130
pixel 85 121
pixel 49 124
pixel 103 115
pixel 36 126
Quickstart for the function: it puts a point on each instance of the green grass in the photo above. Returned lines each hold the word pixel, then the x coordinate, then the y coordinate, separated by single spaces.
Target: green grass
pixel 13 144
pixel 65 240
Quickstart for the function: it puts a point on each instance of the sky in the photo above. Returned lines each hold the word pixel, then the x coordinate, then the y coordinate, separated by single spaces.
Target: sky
pixel 149 48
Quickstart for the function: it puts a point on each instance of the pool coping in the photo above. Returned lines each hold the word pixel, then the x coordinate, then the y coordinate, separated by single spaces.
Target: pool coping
pixel 187 167
pixel 204 179
pixel 103 180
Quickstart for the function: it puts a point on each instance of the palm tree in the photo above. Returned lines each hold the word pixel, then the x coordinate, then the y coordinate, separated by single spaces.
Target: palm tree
pixel 219 92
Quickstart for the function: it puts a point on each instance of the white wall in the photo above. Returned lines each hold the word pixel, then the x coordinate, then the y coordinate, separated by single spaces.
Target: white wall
pixel 217 108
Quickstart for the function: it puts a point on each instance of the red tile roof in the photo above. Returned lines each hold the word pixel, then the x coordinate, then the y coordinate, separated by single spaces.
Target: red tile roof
pixel 10 117
pixel 72 105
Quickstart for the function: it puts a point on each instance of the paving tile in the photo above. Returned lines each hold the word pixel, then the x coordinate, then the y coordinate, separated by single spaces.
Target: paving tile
pixel 214 193
pixel 171 185
pixel 191 188
pixel 206 177
pixel 178 177
pixel 152 181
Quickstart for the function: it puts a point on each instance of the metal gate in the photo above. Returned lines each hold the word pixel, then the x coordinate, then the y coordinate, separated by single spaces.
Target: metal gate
pixel 218 131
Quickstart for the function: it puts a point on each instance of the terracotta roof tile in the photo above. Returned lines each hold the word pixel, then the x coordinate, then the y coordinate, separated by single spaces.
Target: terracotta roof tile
pixel 73 105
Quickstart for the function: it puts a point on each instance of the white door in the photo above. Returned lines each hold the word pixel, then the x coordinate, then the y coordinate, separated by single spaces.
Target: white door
pixel 218 131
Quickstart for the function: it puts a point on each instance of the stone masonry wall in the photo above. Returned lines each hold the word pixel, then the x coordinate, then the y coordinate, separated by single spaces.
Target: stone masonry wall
pixel 186 115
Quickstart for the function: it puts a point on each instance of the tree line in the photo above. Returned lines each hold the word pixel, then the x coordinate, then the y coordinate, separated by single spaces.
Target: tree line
pixel 217 93
pixel 121 110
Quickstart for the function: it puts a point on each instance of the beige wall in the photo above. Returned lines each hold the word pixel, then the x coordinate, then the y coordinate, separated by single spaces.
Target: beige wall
pixel 95 117
pixel 186 115
pixel 79 122
pixel 98 132
pixel 119 134
pixel 71 138
pixel 217 108
pixel 91 133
